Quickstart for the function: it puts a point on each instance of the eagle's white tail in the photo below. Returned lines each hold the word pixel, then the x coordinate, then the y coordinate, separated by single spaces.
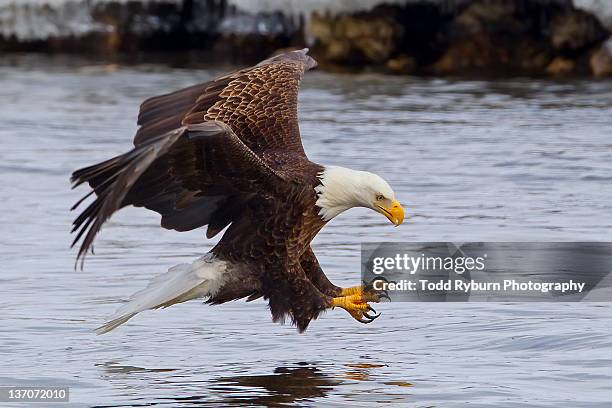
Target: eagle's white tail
pixel 181 283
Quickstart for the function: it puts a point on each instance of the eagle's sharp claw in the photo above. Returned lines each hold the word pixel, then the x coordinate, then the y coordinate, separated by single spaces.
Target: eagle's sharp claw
pixel 355 301
pixel 371 317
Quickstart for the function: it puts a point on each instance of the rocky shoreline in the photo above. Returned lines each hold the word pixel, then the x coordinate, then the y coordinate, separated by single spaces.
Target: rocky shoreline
pixel 427 37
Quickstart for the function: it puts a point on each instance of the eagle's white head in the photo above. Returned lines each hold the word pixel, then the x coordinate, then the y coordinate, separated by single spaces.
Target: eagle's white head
pixel 343 188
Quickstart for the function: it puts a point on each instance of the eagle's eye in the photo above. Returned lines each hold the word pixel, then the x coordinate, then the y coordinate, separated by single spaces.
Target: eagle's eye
pixel 380 197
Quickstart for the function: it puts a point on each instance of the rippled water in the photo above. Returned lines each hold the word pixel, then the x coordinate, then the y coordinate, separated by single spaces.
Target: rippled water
pixel 472 160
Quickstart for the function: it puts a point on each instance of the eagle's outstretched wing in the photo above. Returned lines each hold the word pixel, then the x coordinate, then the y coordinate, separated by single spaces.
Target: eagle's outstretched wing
pixel 200 153
pixel 259 104
pixel 191 154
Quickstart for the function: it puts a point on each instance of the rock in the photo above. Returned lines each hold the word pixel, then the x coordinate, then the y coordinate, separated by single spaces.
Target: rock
pixel 463 55
pixel 337 51
pixel 488 16
pixel 519 38
pixel 574 30
pixel 401 65
pixel 602 9
pixel 354 39
pixel 493 55
pixel 601 60
pixel 560 66
pixel 494 37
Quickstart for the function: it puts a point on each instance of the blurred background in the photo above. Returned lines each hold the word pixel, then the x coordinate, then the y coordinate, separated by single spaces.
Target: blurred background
pixel 422 37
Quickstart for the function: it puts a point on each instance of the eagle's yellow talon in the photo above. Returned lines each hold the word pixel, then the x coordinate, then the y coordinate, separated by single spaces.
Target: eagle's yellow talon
pixel 349 302
pixel 356 307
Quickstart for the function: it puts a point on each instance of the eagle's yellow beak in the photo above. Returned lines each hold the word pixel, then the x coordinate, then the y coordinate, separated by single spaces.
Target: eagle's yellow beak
pixel 395 213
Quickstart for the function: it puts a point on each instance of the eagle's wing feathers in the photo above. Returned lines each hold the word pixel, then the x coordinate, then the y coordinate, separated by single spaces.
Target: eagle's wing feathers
pixel 163 113
pixel 188 175
pixel 259 104
pixel 112 181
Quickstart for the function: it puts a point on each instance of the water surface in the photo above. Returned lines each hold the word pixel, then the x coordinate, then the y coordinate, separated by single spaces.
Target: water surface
pixel 514 160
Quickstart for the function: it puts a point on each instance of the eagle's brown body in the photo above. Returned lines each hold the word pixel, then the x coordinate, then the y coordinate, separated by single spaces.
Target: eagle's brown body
pixel 228 152
pixel 276 256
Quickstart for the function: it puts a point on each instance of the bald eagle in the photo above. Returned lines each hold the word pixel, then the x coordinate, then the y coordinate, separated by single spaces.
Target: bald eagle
pixel 228 153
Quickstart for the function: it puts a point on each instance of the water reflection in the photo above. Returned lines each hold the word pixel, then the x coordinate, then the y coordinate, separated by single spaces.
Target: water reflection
pixel 285 386
pixel 361 371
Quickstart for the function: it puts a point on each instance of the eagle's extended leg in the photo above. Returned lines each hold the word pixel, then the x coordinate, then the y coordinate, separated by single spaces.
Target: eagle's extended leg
pixel 366 292
pixel 313 271
pixel 353 299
